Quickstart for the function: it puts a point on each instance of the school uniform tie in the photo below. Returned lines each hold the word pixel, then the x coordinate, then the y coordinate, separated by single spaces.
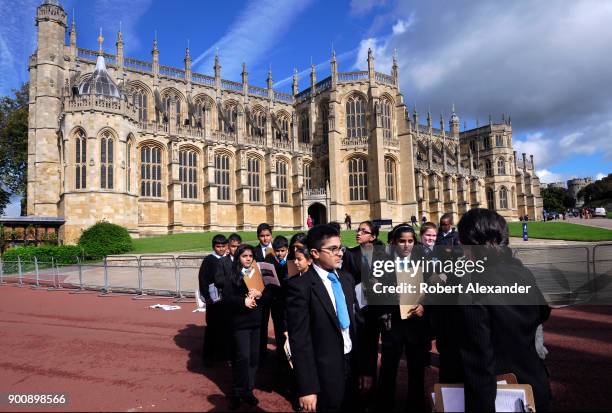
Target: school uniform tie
pixel 341 309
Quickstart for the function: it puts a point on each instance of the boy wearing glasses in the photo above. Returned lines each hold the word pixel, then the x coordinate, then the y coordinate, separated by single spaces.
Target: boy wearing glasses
pixel 321 324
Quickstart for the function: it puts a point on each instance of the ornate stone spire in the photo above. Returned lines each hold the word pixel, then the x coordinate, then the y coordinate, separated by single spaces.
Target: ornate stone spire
pixel 295 82
pixel 100 41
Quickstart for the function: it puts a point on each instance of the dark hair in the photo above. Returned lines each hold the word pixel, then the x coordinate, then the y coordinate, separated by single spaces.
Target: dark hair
pixel 236 276
pixel 234 237
pixel 280 242
pixel 263 227
pixel 219 239
pixel 318 234
pixel 373 228
pixel 446 216
pixel 401 229
pixel 303 250
pixel 297 237
pixel 426 226
pixel 336 225
pixel 481 226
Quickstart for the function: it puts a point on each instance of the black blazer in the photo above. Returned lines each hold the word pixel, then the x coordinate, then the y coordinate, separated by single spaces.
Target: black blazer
pixel 259 257
pixel 224 272
pixel 242 317
pixel 498 339
pixel 315 336
pixel 207 274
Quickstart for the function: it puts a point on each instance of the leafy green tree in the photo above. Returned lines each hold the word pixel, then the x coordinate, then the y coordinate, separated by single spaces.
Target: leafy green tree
pixel 598 193
pixel 13 144
pixel 556 199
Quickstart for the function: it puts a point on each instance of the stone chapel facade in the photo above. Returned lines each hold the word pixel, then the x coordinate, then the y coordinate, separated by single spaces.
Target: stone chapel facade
pixel 164 150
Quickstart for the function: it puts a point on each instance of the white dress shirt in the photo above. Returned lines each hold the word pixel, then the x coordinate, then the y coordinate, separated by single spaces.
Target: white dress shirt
pixel 264 249
pixel 346 335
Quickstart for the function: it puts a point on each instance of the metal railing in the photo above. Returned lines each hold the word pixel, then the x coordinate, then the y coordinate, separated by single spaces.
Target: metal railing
pixel 566 275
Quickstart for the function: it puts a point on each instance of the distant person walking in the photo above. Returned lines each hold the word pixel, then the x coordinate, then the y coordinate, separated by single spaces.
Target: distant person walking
pixel 309 223
pixel 347 221
pixel 413 220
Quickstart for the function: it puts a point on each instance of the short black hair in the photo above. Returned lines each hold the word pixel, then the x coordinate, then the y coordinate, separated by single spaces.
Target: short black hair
pixel 481 226
pixel 304 251
pixel 234 237
pixel 219 239
pixel 318 234
pixel 446 216
pixel 280 242
pixel 263 227
pixel 336 225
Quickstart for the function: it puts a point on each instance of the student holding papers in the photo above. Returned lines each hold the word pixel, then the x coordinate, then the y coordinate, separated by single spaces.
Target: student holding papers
pixel 403 329
pixel 495 335
pixel 245 293
pixel 209 269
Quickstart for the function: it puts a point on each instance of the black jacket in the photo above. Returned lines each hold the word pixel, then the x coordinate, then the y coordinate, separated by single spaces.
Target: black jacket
pixel 493 338
pixel 450 239
pixel 207 274
pixel 315 337
pixel 259 256
pixel 242 317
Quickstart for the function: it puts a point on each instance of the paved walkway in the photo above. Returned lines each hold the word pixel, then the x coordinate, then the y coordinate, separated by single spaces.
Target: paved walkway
pixel 594 222
pixel 116 354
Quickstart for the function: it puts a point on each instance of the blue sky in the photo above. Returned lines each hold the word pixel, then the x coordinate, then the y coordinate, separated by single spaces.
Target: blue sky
pixel 544 64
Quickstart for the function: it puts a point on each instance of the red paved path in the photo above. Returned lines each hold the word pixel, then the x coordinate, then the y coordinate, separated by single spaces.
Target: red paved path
pixel 115 353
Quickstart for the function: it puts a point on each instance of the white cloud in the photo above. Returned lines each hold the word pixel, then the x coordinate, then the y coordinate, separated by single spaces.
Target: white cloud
pixel 600 176
pixel 108 14
pixel 17 42
pixel 547 67
pixel 382 47
pixel 360 7
pixel 256 30
pixel 548 177
pixel 400 27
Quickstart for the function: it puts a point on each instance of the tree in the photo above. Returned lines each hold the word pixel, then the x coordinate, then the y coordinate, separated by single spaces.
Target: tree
pixel 556 199
pixel 13 144
pixel 598 193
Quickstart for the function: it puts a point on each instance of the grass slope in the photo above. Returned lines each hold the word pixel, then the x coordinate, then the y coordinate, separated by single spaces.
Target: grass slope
pixel 560 230
pixel 201 241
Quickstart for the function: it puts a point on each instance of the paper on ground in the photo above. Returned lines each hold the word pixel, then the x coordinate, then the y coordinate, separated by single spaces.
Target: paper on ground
pixel 166 307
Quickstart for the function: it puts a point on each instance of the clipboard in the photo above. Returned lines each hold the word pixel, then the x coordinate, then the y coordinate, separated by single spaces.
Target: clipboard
pixel 408 302
pixel 530 405
pixel 268 273
pixel 254 280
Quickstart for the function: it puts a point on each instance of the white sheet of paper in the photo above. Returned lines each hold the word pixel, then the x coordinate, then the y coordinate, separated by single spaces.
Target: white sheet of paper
pixel 213 292
pixel 166 307
pixel 361 298
pixel 505 400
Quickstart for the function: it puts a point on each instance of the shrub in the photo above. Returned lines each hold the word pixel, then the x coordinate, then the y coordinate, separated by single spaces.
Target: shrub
pixel 63 254
pixel 104 238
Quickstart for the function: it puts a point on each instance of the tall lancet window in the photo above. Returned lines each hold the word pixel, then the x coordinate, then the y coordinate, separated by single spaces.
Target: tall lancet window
pixel 106 161
pixel 355 117
pixel 385 115
pixel 80 160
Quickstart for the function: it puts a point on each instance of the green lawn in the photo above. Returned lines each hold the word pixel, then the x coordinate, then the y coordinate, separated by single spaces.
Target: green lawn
pixel 560 230
pixel 198 242
pixel 201 241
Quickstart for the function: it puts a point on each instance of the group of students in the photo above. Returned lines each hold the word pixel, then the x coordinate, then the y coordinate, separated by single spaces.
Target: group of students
pixel 334 337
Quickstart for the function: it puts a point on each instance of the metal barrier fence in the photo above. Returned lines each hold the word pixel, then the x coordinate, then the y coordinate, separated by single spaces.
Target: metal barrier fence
pixel 566 275
pixel 602 270
pixel 141 276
